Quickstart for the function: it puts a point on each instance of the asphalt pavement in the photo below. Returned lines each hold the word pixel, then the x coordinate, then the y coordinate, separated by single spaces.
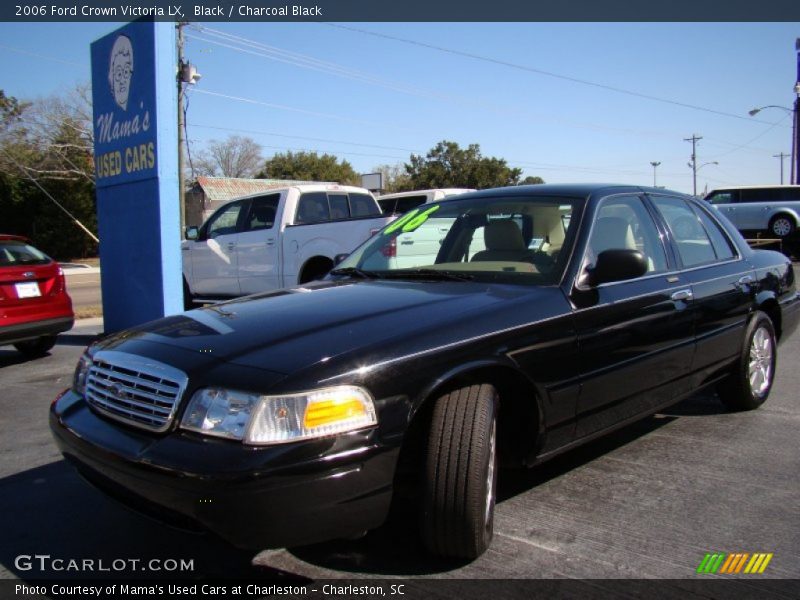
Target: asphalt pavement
pixel 83 286
pixel 648 501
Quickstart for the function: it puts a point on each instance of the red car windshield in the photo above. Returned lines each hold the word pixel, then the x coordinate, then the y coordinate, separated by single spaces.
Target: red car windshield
pixel 17 254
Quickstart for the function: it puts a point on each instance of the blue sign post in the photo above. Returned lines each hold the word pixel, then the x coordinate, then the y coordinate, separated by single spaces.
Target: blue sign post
pixel 134 98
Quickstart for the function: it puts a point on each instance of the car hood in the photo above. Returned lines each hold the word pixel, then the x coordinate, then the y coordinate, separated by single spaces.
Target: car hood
pixel 293 329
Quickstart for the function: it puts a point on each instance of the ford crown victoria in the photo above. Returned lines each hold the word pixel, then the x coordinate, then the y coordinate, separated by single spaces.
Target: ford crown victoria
pixel 547 316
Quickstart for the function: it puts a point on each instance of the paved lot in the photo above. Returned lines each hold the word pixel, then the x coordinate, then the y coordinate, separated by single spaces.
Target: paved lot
pixel 647 501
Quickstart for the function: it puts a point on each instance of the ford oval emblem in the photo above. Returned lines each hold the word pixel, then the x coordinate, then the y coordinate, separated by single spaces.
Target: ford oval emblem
pixel 28 274
pixel 119 392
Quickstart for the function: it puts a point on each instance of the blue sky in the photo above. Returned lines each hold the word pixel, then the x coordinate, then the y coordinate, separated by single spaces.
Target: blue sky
pixel 374 100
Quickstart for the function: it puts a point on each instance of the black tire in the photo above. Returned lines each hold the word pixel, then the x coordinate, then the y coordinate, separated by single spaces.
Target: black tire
pixel 38 347
pixel 741 391
pixel 782 225
pixel 314 271
pixel 187 297
pixel 461 473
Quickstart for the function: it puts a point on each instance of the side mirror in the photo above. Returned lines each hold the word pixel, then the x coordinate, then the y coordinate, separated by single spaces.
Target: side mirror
pixel 339 258
pixel 617 265
pixel 192 233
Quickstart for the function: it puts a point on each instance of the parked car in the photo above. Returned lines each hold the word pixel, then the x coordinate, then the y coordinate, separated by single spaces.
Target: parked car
pixel 400 202
pixel 772 210
pixel 295 416
pixel 272 240
pixel 34 304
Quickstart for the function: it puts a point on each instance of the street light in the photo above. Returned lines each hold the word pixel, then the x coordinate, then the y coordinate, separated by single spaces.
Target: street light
pixel 755 111
pixel 695 169
pixel 655 165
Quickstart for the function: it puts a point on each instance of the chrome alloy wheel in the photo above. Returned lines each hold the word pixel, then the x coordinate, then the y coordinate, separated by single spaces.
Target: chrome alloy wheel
pixel 490 487
pixel 760 366
pixel 782 227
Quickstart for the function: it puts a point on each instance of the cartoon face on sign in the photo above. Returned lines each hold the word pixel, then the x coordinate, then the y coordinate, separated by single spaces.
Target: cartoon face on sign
pixel 120 70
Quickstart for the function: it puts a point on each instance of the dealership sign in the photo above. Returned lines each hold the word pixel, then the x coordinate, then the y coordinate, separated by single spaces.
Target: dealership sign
pixel 134 98
pixel 123 95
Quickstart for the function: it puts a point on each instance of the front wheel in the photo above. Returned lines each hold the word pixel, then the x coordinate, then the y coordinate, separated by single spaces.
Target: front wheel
pixel 461 473
pixel 751 381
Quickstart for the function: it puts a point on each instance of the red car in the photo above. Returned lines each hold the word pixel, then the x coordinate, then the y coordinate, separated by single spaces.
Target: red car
pixel 34 304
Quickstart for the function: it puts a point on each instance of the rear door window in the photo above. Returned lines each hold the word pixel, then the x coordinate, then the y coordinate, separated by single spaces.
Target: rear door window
pixel 313 208
pixel 363 205
pixel 694 245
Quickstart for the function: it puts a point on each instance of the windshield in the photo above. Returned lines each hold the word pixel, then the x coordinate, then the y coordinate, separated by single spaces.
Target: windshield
pixel 506 239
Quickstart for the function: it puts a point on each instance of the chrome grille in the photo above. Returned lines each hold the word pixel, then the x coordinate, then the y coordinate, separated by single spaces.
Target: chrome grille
pixel 134 390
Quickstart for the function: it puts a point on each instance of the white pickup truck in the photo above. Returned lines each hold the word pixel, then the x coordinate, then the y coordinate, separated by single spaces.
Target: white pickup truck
pixel 276 239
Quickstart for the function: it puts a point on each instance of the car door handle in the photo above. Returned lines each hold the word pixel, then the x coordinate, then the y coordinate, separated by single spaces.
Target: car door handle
pixel 744 282
pixel 270 242
pixel 682 295
pixel 231 245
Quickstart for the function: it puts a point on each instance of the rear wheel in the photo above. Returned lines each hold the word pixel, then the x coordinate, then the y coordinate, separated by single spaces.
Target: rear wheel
pixel 38 347
pixel 461 473
pixel 750 383
pixel 188 304
pixel 782 226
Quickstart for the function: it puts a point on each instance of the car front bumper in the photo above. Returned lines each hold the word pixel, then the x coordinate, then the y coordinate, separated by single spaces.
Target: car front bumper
pixel 254 497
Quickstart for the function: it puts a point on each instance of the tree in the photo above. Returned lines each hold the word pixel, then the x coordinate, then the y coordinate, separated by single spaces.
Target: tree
pixel 309 166
pixel 237 156
pixel 47 145
pixel 395 178
pixel 531 180
pixel 448 165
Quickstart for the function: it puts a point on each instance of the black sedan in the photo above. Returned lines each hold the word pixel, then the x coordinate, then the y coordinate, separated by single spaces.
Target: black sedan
pixel 499 328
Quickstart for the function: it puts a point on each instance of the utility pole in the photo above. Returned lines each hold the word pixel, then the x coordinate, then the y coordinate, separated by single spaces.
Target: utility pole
pixel 655 165
pixel 694 139
pixel 796 121
pixel 181 128
pixel 782 155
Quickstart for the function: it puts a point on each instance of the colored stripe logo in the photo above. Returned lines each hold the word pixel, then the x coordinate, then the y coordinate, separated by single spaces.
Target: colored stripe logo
pixel 734 563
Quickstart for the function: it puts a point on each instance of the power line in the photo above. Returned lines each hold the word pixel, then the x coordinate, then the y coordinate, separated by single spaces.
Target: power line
pixel 545 73
pixel 285 107
pixel 305 61
pixel 42 56
pixel 300 137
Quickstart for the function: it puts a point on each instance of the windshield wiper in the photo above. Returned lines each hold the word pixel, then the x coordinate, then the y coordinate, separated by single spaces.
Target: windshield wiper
pixel 355 272
pixel 433 274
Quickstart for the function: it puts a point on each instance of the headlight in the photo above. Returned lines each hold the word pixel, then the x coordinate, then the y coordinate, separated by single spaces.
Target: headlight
pixel 81 371
pixel 260 419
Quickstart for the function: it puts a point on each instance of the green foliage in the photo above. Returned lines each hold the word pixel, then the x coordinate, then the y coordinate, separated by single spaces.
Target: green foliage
pixel 309 166
pixel 58 158
pixel 531 180
pixel 448 165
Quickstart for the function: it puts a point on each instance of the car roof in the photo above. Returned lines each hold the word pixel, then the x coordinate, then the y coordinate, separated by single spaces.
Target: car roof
pixel 575 190
pixel 303 187
pixel 754 187
pixel 13 237
pixel 423 192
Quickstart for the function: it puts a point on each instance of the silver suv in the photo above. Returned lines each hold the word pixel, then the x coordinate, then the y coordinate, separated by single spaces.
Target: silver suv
pixel 771 210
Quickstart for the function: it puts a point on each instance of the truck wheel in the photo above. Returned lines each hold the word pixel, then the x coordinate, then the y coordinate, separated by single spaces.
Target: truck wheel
pixel 749 384
pixel 782 225
pixel 38 347
pixel 187 297
pixel 315 269
pixel 461 473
